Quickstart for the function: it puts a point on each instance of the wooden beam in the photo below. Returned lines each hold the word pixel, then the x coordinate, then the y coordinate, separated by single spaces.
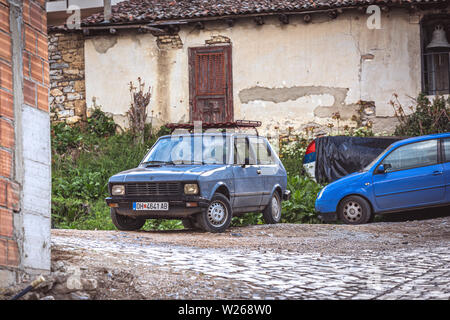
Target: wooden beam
pixel 307 18
pixel 259 20
pixel 333 14
pixel 284 18
pixel 200 25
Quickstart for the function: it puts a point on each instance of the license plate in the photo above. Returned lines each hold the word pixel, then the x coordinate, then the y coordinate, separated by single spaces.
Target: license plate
pixel 155 206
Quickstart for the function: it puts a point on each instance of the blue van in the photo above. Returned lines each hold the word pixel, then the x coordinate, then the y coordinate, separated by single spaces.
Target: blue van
pixel 410 174
pixel 203 179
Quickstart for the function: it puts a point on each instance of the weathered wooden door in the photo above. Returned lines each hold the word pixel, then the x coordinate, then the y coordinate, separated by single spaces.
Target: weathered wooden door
pixel 210 84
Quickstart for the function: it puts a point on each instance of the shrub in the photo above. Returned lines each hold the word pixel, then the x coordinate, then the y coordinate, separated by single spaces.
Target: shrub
pixel 65 137
pixel 300 208
pixel 67 210
pixel 292 154
pixel 426 118
pixel 83 159
pixel 100 124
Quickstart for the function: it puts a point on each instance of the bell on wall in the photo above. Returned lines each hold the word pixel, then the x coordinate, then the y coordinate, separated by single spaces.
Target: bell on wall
pixel 439 40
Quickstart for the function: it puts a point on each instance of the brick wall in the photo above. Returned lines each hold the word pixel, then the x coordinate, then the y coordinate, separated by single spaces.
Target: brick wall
pixel 22 85
pixel 35 55
pixel 8 197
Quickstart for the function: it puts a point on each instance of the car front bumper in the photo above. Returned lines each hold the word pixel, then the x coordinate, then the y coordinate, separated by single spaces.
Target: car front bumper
pixel 178 208
pixel 326 209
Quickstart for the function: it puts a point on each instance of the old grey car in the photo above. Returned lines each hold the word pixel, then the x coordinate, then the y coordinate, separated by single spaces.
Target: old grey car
pixel 204 179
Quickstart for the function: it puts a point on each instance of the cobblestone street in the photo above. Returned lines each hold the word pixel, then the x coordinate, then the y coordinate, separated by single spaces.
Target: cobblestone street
pixel 362 263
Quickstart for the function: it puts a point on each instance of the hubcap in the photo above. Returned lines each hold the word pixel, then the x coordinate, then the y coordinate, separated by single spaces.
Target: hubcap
pixel 217 214
pixel 352 211
pixel 276 212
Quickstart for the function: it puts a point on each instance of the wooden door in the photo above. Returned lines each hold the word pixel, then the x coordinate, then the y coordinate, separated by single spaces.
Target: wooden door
pixel 210 84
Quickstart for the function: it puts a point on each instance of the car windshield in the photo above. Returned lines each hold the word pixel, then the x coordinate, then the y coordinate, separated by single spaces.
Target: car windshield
pixel 370 165
pixel 201 149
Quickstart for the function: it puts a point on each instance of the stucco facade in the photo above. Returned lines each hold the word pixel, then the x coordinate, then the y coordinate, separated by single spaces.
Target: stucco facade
pixel 294 75
pixel 285 75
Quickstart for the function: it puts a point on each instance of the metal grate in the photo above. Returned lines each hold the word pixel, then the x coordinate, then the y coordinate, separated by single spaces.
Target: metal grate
pixel 153 189
pixel 436 73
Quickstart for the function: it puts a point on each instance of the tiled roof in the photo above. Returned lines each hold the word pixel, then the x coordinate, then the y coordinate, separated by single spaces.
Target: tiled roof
pixel 139 11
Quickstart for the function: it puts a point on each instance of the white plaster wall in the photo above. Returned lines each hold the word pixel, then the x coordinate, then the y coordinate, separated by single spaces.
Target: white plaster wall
pixel 325 53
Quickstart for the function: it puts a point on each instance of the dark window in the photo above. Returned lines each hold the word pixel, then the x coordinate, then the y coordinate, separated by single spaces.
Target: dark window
pixel 435 60
pixel 414 155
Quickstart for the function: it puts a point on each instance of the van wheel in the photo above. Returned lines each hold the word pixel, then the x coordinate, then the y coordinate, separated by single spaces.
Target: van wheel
pixel 217 216
pixel 354 210
pixel 126 223
pixel 272 213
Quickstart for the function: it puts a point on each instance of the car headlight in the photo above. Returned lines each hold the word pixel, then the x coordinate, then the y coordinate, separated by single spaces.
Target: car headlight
pixel 321 193
pixel 190 188
pixel 118 190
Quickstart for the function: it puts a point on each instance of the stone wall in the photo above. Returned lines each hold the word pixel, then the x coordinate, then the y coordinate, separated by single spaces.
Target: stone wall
pixel 67 89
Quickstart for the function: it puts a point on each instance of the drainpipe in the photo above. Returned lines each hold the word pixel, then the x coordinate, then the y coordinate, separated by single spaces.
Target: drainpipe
pixel 107 10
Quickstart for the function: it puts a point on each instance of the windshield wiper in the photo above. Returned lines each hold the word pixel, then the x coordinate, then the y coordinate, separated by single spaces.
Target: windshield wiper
pixel 158 162
pixel 187 162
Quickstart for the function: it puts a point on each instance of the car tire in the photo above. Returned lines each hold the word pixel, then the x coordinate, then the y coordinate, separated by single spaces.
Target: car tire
pixel 126 223
pixel 354 210
pixel 272 213
pixel 217 216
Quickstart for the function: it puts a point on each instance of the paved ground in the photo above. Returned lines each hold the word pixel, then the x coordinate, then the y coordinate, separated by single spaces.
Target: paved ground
pixel 383 260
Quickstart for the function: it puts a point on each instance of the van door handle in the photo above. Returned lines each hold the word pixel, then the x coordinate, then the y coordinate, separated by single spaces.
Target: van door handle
pixel 258 171
pixel 436 173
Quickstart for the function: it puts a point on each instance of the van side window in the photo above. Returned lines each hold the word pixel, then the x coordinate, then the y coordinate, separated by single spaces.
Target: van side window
pixel 262 151
pixel 242 152
pixel 414 155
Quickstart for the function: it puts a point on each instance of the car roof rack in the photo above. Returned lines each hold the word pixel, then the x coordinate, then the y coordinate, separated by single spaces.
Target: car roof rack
pixel 217 125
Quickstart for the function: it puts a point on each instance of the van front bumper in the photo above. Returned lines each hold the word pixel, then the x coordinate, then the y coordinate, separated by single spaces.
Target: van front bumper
pixel 287 195
pixel 179 208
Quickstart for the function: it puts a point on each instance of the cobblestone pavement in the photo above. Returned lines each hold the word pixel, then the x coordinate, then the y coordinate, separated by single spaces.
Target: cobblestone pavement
pixel 419 271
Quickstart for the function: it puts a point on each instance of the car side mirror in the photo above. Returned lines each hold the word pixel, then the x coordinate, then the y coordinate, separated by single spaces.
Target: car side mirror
pixel 382 168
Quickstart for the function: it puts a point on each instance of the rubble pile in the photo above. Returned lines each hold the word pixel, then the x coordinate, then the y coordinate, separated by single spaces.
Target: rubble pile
pixel 65 282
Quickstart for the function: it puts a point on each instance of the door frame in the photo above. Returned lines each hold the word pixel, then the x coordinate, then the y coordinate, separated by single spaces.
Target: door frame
pixel 229 110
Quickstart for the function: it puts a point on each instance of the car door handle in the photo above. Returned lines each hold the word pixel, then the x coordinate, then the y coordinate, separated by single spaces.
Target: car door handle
pixel 258 171
pixel 436 173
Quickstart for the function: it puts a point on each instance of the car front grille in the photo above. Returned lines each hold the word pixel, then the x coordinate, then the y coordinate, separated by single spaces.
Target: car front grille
pixel 153 189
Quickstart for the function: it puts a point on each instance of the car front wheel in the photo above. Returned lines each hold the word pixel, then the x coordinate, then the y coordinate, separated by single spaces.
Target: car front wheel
pixel 126 223
pixel 217 216
pixel 354 210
